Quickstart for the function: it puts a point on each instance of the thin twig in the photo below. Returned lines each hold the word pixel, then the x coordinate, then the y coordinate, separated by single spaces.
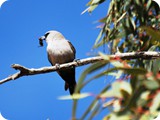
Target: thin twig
pixel 23 71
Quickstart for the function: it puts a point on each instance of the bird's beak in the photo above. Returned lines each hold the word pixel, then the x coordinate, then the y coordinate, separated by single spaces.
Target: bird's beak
pixel 41 40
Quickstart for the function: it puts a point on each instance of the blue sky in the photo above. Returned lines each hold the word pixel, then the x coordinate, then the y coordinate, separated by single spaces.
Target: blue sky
pixel 22 22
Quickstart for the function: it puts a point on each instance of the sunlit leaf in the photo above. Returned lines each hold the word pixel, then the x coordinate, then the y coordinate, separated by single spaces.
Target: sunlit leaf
pixel 98 38
pixel 134 71
pixel 105 72
pixel 147 117
pixel 103 20
pixel 92 7
pixel 126 87
pixel 148 4
pixel 156 103
pixel 120 18
pixel 117 117
pixel 93 103
pixel 153 48
pixel 100 43
pixel 117 64
pixel 74 96
pixel 155 34
pixel 108 103
pixel 96 66
pixel 116 106
pixel 95 111
pixel 89 70
pixel 89 3
pixel 98 1
pixel 104 56
pixel 157 117
pixel 151 84
pixel 117 75
pixel 84 11
pixel 156 66
pixel 116 88
pixel 145 95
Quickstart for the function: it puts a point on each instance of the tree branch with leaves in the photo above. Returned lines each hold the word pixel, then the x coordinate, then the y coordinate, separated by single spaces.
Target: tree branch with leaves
pixel 130 26
pixel 23 71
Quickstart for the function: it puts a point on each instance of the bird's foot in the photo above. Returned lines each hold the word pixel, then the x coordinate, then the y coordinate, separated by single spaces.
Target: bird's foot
pixel 77 61
pixel 57 65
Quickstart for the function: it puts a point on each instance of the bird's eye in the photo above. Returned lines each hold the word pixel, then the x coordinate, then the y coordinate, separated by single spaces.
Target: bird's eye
pixel 46 35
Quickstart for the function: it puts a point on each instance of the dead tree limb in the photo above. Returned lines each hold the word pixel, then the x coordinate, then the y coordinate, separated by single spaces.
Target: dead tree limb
pixel 23 71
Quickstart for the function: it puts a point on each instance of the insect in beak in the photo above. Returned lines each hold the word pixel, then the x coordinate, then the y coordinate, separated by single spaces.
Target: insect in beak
pixel 41 40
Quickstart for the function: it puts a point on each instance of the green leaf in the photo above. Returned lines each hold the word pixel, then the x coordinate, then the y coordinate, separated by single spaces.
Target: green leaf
pixel 89 3
pixel 134 71
pixel 104 56
pixel 95 111
pixel 93 103
pixel 92 7
pixel 103 20
pixel 148 4
pixel 116 90
pixel 156 103
pixel 96 66
pixel 100 43
pixel 156 66
pixel 147 117
pixel 145 95
pixel 105 72
pixel 151 84
pixel 93 4
pixel 98 38
pixel 89 70
pixel 126 87
pixel 74 96
pixel 117 64
pixel 117 75
pixel 113 116
pixel 155 34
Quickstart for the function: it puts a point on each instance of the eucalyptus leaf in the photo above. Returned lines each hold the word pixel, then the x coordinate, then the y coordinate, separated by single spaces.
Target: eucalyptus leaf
pixel 74 96
pixel 155 34
pixel 92 7
pixel 151 84
pixel 156 103
pixel 118 117
pixel 116 90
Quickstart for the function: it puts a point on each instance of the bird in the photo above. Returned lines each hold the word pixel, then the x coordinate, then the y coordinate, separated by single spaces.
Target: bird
pixel 60 50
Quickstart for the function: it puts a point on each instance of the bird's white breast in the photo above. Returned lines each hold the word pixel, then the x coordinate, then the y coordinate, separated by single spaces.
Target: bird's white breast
pixel 59 51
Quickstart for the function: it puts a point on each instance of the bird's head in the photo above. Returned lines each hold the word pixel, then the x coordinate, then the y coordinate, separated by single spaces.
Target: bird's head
pixel 50 35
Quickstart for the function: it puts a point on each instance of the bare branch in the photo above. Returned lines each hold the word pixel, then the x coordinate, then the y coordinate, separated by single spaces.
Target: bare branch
pixel 23 71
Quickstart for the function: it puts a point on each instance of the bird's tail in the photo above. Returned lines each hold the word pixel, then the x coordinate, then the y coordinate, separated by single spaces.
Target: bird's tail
pixel 71 87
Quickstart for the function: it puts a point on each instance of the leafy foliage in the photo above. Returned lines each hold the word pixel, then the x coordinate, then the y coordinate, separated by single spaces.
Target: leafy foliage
pixel 130 26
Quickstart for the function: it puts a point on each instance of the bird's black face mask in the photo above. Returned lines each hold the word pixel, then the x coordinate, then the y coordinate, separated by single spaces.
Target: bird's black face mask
pixel 42 38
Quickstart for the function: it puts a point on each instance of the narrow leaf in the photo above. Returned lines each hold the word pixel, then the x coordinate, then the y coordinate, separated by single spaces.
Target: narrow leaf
pixel 74 96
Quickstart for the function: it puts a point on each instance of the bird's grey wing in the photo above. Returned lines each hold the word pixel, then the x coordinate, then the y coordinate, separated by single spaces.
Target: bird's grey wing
pixel 49 59
pixel 72 47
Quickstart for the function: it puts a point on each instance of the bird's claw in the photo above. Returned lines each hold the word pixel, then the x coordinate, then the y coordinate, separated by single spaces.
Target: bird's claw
pixel 77 61
pixel 57 65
